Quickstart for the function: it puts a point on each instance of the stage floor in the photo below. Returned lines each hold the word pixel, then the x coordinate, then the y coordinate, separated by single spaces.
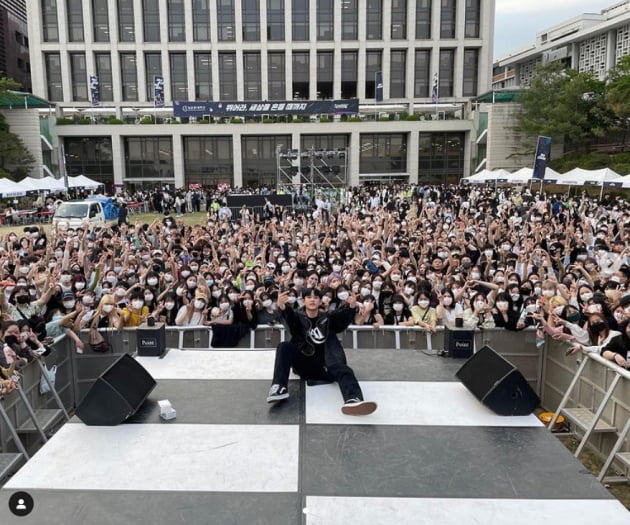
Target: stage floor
pixel 430 454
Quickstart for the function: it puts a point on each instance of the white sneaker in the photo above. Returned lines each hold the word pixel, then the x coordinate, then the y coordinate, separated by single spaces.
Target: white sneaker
pixel 277 393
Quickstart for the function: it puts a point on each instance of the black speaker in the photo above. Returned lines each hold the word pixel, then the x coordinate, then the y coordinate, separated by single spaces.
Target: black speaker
pixel 459 342
pixel 151 340
pixel 116 394
pixel 498 384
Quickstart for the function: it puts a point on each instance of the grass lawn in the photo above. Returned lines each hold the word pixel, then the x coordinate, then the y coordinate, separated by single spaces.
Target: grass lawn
pixel 190 219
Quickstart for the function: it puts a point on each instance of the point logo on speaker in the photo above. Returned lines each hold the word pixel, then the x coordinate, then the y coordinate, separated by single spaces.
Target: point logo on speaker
pixel 462 344
pixel 148 342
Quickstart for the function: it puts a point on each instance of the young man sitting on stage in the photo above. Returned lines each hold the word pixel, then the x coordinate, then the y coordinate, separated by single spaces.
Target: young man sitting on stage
pixel 315 352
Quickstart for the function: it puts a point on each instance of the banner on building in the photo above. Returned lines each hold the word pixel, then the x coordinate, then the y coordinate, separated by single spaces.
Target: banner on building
pixel 543 152
pixel 158 91
pixel 435 89
pixel 378 86
pixel 95 96
pixel 250 109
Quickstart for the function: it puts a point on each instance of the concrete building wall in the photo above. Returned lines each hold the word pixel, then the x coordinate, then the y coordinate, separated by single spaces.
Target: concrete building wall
pixel 25 124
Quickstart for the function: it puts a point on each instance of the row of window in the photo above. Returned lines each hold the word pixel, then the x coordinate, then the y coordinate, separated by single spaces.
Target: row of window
pixel 276 10
pixel 209 160
pixel 252 74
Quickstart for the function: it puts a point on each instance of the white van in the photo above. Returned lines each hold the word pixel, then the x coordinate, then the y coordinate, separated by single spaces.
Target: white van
pixel 77 213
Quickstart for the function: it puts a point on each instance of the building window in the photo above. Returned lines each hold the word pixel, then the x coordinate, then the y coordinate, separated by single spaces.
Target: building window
pixel 103 62
pixel 79 77
pixel 397 74
pixel 75 21
pixel 126 21
pixel 251 75
pixel 301 75
pixel 176 24
pixel 129 76
pixel 53 77
pixel 50 23
pixel 203 76
pixel 325 73
pixel 448 18
pixel 423 19
pixel 225 20
pixel 153 68
pixel 473 17
pixel 151 14
pixel 100 16
pixel 350 20
pixel 179 76
pixel 374 20
pixel 440 157
pixel 201 20
pixel 373 63
pixel 227 76
pixel 251 20
pixel 447 65
pixel 300 19
pixel 276 75
pixel 208 160
pixel 422 81
pixel 325 19
pixel 399 19
pixel 275 20
pixel 259 158
pixel 148 158
pixel 349 73
pixel 471 72
pixel 90 156
pixel 383 153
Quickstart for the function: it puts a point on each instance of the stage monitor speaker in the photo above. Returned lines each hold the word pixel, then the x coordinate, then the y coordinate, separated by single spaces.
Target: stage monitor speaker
pixel 498 384
pixel 459 342
pixel 116 394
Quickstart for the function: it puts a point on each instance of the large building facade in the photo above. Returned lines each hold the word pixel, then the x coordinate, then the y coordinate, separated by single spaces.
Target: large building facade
pixel 14 43
pixel 261 50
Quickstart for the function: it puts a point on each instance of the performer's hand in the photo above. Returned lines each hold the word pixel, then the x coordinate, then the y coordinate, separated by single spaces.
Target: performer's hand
pixel 283 298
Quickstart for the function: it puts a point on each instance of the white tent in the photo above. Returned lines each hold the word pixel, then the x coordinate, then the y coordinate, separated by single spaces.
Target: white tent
pixel 52 184
pixel 482 177
pixel 81 181
pixel 8 188
pixel 580 177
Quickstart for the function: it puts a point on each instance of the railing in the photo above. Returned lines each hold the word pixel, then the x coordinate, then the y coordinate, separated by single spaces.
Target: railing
pixel 589 383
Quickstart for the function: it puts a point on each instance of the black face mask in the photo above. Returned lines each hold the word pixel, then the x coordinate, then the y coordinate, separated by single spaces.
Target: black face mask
pixel 22 299
pixel 597 328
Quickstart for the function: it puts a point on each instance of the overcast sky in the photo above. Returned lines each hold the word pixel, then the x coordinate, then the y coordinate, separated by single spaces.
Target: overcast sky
pixel 518 21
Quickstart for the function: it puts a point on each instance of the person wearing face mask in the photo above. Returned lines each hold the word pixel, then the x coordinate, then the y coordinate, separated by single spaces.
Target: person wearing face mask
pixel 503 314
pixel 224 314
pixel 448 309
pixel 135 312
pixel 423 314
pixel 107 314
pixel 21 305
pixel 400 313
pixel 368 313
pixel 266 310
pixel 564 323
pixel 194 313
pixel 167 308
pixel 616 350
pixel 478 314
pixel 599 334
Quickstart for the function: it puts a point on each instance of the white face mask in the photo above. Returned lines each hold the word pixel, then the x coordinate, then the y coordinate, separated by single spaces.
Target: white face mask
pixel 248 303
pixel 488 253
pixel 79 285
pixel 586 296
pixel 448 301
pixel 233 296
pixel 191 284
pixel 111 279
pixel 408 290
pixel 298 282
pixel 479 304
pixel 398 307
pixel 216 294
pixel 120 292
pixel 267 303
pixel 377 285
pixel 69 304
pixel 169 306
pixel 137 304
pixel 558 310
pixel 87 301
pixel 292 299
pixel 199 304
pixel 475 275
pixel 326 299
pixel 502 305
pixel 396 278
pixel 286 268
pixel 185 273
pixel 168 278
pixel 148 297
pixel 108 308
pixel 548 293
pixel 515 297
pixel 423 304
pixel 224 306
pixel 343 295
pixel 336 268
pixel 365 292
pixel 152 281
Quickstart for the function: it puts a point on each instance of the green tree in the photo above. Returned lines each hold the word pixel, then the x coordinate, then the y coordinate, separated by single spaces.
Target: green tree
pixel 15 159
pixel 618 95
pixel 565 105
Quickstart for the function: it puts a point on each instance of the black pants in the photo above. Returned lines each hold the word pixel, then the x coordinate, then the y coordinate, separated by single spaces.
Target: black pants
pixel 331 366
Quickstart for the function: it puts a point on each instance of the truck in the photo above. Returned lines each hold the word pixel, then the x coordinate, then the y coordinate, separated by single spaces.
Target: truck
pixel 96 212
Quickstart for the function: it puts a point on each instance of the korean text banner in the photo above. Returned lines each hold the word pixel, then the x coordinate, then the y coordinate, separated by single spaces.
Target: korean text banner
pixel 279 107
pixel 543 151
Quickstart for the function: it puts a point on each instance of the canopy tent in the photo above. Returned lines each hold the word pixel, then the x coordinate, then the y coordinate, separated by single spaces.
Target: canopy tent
pixel 619 182
pixel 581 177
pixel 8 188
pixel 31 184
pixel 81 181
pixel 482 177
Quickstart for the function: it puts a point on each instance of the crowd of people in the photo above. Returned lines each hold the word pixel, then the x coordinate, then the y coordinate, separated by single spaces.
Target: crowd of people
pixel 401 255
